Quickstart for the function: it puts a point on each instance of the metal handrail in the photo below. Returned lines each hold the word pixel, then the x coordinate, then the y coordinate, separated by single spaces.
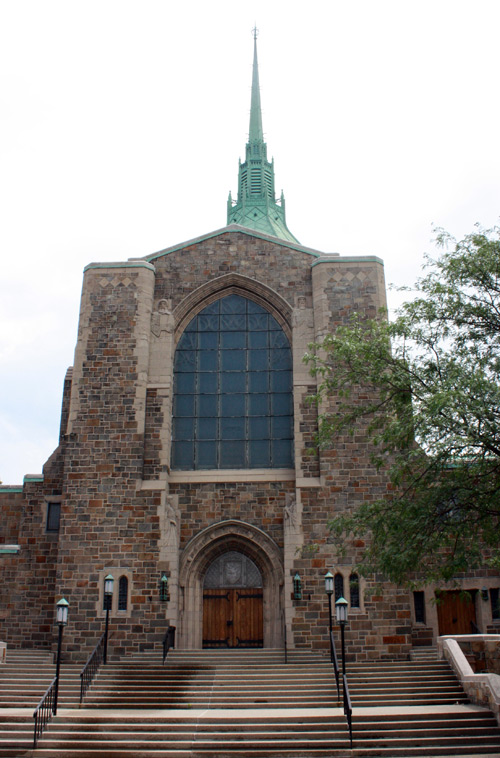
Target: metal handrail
pixel 347 705
pixel 44 711
pixel 90 669
pixel 284 638
pixel 168 641
pixel 335 663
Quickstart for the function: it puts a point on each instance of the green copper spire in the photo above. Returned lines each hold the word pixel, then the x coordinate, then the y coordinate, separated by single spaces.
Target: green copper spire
pixel 257 207
pixel 255 133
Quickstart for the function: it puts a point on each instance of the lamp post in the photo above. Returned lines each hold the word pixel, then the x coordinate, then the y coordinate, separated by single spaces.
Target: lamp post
pixel 62 619
pixel 341 611
pixel 329 592
pixel 108 596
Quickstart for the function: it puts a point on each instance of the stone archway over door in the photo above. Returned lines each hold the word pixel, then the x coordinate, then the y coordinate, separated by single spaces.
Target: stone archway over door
pixel 233 602
pixel 196 559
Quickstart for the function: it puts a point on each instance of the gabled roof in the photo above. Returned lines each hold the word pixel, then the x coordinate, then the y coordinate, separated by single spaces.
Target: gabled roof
pixel 233 229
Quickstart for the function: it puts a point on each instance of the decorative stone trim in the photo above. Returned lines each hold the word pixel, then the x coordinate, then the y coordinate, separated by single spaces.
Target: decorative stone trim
pixel 233 475
pixel 232 284
pixel 116 573
pixel 10 549
pixel 30 478
pixel 198 555
pixel 139 263
pixel 349 259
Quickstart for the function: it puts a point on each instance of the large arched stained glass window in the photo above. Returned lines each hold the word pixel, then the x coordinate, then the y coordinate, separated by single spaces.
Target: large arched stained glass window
pixel 232 390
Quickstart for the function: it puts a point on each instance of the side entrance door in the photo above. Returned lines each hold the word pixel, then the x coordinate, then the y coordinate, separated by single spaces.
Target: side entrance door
pixel 456 612
pixel 233 602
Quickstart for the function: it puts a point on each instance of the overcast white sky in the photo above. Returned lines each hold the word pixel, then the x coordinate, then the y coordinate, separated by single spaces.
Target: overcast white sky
pixel 122 124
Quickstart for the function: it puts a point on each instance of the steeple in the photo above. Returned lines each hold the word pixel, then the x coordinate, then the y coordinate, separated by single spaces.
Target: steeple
pixel 257 207
pixel 255 133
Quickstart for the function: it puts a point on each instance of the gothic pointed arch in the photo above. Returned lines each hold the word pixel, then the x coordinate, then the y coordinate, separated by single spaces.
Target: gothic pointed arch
pixel 201 551
pixel 229 284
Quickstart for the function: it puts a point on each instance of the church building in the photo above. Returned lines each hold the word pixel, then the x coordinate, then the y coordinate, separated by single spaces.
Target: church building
pixel 186 466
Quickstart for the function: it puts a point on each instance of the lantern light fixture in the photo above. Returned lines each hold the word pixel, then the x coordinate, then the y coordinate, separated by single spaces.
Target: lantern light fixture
pixel 108 584
pixel 164 588
pixel 62 612
pixel 329 583
pixel 297 587
pixel 341 606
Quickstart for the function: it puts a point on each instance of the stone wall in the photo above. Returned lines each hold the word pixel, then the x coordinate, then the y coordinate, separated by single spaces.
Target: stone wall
pixel 11 505
pixel 123 511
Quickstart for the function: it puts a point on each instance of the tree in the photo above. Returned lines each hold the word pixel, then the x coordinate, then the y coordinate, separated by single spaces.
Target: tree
pixel 430 380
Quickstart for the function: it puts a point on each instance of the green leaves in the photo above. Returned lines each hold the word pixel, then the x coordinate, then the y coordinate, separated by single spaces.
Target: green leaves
pixel 426 388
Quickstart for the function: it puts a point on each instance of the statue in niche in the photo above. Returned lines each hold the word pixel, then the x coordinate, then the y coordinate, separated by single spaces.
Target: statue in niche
pixel 162 320
pixel 290 513
pixel 302 319
pixel 171 525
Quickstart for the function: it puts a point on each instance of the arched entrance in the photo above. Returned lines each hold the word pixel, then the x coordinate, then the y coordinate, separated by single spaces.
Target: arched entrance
pixel 232 602
pixel 199 560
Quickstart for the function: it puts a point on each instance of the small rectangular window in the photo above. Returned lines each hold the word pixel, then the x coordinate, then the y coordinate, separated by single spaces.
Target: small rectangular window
pixel 495 603
pixel 53 516
pixel 419 604
pixel 123 593
pixel 354 590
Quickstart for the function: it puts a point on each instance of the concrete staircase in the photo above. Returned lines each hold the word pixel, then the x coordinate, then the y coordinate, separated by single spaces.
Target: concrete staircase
pixel 424 654
pixel 27 674
pixel 261 679
pixel 212 704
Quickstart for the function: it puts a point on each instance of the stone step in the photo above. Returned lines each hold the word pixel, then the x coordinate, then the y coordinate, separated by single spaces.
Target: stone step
pixel 412 738
pixel 111 724
pixel 460 732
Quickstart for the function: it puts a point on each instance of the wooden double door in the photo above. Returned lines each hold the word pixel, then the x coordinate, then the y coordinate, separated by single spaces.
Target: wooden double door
pixel 456 612
pixel 233 617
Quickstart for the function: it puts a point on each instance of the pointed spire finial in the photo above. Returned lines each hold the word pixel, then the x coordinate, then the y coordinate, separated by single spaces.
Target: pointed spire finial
pixel 255 132
pixel 257 207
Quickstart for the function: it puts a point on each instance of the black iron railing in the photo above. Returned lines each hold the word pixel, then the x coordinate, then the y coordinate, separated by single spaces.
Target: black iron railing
pixel 347 705
pixel 284 639
pixel 335 663
pixel 168 641
pixel 44 711
pixel 90 669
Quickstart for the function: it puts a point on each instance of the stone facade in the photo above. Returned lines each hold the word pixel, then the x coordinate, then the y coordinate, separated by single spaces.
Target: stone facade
pixel 125 510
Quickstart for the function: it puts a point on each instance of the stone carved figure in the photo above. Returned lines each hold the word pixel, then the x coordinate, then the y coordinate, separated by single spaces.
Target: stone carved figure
pixel 233 571
pixel 162 320
pixel 290 520
pixel 171 525
pixel 302 319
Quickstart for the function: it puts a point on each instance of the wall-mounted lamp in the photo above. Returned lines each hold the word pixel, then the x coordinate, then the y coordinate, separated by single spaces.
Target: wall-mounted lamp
pixel 164 588
pixel 484 594
pixel 297 587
